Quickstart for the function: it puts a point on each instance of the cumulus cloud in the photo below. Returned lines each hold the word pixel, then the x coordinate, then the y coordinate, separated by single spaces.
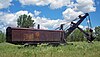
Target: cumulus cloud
pixel 34 2
pixel 54 4
pixel 36 13
pixel 5 3
pixel 48 23
pixel 23 12
pixel 6 20
pixel 85 6
pixel 10 19
pixel 79 7
pixel 69 14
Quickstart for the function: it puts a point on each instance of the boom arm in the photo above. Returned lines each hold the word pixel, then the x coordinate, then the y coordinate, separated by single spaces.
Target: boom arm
pixel 75 25
pixel 89 36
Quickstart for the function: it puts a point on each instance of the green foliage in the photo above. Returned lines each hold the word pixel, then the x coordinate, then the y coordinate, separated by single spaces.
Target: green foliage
pixel 97 33
pixel 76 35
pixel 25 21
pixel 2 37
pixel 78 49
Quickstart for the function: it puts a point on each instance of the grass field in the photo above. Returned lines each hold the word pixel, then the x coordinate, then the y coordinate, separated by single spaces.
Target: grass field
pixel 78 49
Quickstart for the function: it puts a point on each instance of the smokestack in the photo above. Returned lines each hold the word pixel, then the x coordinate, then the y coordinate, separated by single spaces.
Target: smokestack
pixel 61 26
pixel 38 26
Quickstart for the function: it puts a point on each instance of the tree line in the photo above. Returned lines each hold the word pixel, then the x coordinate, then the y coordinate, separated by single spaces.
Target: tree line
pixel 26 21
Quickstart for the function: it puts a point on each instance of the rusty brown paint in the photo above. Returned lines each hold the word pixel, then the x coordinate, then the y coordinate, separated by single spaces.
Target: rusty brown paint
pixel 37 34
pixel 28 37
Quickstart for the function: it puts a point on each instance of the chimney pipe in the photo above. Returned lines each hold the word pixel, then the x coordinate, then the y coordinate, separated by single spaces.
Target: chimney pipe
pixel 38 26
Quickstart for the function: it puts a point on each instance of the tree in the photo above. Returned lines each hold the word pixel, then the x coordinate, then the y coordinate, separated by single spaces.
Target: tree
pixel 97 33
pixel 25 21
pixel 76 35
pixel 2 37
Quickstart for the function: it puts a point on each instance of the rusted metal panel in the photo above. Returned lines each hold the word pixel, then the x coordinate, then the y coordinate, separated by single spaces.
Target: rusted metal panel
pixel 16 35
pixel 22 34
pixel 49 35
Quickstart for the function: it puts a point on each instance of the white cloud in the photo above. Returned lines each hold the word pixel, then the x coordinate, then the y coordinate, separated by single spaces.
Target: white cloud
pixel 34 2
pixel 42 2
pixel 85 6
pixel 7 19
pixel 5 3
pixel 69 14
pixel 10 19
pixel 81 5
pixel 48 23
pixel 23 12
pixel 36 13
pixel 55 4
pixel 28 2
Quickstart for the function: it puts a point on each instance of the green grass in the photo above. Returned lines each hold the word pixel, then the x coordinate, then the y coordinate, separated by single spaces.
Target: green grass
pixel 78 49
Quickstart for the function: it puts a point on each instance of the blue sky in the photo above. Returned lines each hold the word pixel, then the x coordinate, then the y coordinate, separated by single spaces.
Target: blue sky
pixel 96 15
pixel 48 13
